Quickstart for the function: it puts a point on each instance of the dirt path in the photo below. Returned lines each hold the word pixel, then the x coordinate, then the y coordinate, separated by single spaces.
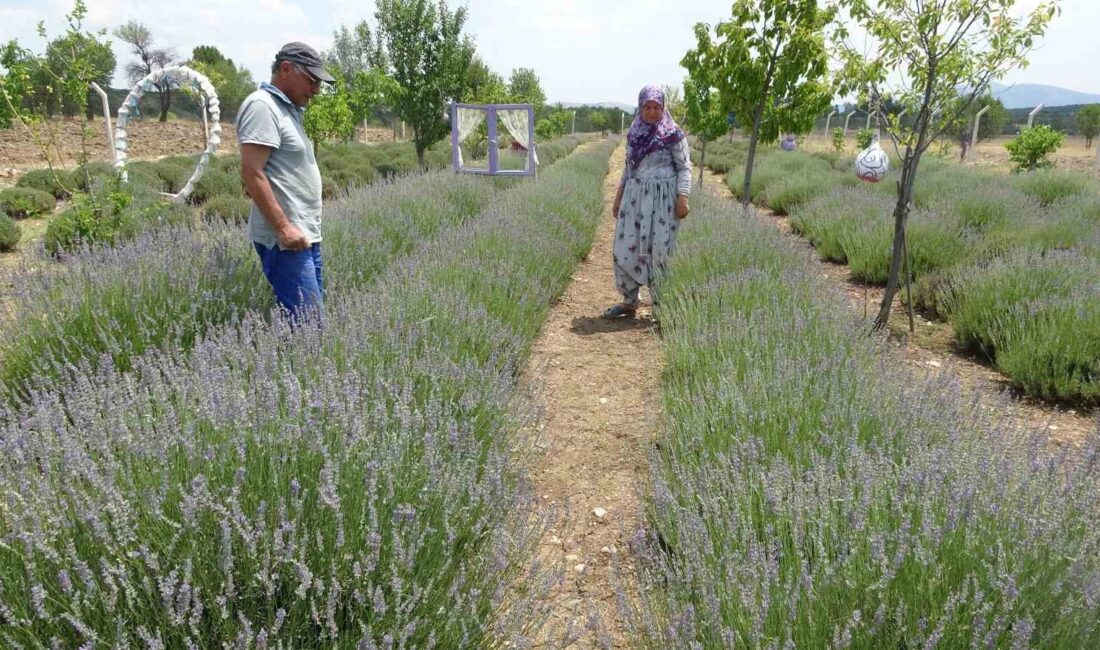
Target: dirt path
pixel 599 388
pixel 930 350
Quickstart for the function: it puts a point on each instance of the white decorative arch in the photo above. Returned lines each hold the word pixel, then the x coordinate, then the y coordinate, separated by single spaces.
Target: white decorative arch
pixel 177 77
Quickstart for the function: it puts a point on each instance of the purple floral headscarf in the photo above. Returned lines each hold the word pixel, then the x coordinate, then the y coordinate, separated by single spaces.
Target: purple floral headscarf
pixel 644 138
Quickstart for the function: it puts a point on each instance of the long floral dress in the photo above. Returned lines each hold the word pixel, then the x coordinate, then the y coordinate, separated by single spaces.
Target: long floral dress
pixel 645 229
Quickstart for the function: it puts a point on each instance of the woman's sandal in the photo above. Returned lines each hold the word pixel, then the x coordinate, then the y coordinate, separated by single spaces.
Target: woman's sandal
pixel 619 311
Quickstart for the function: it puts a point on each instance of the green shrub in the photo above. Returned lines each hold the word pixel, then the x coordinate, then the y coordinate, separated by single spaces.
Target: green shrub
pixel 143 175
pixel 215 183
pixel 230 163
pixel 234 209
pixel 86 176
pixel 864 138
pixel 1048 186
pixel 362 172
pixel 9 234
pixel 173 173
pixel 1032 148
pixel 1037 316
pixel 24 202
pixel 838 140
pixel 329 188
pixel 110 213
pixel 57 182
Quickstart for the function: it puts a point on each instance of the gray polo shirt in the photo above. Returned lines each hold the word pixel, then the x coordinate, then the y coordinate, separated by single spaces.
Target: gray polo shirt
pixel 268 117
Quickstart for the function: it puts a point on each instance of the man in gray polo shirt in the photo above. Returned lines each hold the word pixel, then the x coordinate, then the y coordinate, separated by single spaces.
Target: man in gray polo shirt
pixel 281 175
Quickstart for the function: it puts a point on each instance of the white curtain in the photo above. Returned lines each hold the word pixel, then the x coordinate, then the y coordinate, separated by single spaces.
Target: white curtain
pixel 468 121
pixel 517 123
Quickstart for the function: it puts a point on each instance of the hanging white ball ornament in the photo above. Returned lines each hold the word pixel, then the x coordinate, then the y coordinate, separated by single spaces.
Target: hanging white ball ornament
pixel 872 163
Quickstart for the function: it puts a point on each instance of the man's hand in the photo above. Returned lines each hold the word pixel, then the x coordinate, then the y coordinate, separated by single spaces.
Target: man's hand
pixel 682 208
pixel 292 238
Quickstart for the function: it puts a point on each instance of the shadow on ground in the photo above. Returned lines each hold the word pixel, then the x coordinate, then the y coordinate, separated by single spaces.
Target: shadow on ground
pixel 589 325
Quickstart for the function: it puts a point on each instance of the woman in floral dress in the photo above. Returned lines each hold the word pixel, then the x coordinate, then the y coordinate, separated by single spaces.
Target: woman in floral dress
pixel 651 201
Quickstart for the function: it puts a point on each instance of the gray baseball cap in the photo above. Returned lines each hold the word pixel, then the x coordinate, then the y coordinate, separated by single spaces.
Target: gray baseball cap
pixel 306 57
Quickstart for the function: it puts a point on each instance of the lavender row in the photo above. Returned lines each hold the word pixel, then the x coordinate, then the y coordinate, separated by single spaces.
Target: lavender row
pixel 809 494
pixel 351 485
pixel 169 286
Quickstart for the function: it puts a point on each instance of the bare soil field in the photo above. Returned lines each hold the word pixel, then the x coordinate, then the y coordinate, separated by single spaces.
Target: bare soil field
pixel 1072 155
pixel 992 155
pixel 148 140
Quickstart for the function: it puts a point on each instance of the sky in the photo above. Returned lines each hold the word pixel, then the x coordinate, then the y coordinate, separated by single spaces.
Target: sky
pixel 583 50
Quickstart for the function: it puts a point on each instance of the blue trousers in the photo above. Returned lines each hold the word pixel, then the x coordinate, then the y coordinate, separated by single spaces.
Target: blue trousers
pixel 295 276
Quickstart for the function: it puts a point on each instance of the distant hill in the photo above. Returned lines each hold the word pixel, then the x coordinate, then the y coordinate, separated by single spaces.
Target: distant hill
pixel 1031 95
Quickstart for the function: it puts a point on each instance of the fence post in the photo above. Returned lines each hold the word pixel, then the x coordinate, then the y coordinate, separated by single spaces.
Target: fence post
pixel 974 133
pixel 107 117
pixel 1031 115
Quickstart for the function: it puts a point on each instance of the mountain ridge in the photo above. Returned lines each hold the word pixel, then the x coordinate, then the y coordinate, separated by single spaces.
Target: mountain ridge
pixel 1031 95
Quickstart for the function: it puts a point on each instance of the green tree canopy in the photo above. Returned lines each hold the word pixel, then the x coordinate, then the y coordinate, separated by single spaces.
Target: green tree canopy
pixel 1088 122
pixel 95 56
pixel 769 64
pixel 233 82
pixel 329 115
pixel 922 54
pixel 705 115
pixel 428 55
pixel 356 50
pixel 483 86
pixel 524 88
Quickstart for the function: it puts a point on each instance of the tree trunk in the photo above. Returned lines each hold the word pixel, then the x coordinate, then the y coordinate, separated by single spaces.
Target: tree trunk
pixel 420 147
pixel 702 163
pixel 897 256
pixel 165 103
pixel 746 195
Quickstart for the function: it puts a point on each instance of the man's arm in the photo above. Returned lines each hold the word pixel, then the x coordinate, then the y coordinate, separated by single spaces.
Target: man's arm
pixel 253 159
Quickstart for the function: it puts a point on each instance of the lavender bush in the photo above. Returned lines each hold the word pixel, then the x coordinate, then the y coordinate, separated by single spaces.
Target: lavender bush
pixel 1036 315
pixel 1048 186
pixel 351 485
pixel 807 495
pixel 170 285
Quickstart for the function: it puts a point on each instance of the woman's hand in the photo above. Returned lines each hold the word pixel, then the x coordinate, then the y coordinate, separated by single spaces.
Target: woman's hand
pixel 682 208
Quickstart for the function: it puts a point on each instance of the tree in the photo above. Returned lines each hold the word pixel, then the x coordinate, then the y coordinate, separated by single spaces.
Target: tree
pixel 599 121
pixel 554 126
pixel 17 84
pixel 993 121
pixel 234 83
pixel 150 59
pixel 705 115
pixel 524 88
pixel 483 86
pixel 935 49
pixel 769 62
pixel 97 55
pixel 355 50
pixel 369 90
pixel 329 115
pixel 429 56
pixel 66 82
pixel 1088 123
